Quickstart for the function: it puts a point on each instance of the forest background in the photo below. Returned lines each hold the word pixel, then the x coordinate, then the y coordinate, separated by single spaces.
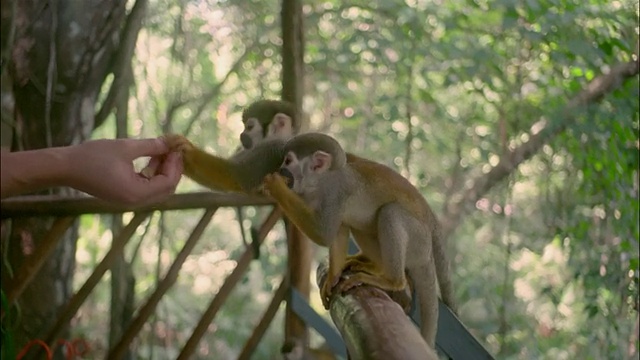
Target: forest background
pixel 500 112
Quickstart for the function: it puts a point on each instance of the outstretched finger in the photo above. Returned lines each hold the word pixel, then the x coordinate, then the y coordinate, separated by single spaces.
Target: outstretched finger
pixel 146 147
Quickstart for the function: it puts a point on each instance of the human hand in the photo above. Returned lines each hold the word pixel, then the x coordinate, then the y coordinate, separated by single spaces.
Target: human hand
pixel 104 168
pixel 175 143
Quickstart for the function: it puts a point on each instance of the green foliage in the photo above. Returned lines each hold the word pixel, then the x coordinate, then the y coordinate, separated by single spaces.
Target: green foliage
pixel 546 266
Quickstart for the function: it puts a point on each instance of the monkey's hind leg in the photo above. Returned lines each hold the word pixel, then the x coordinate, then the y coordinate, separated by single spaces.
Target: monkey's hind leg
pixel 358 263
pixel 392 241
pixel 337 255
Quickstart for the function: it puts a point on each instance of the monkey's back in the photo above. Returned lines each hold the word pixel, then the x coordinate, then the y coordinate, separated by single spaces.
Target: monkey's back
pixel 390 186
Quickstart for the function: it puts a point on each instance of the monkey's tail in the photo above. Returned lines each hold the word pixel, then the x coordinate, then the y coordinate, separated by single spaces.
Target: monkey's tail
pixel 425 290
pixel 443 270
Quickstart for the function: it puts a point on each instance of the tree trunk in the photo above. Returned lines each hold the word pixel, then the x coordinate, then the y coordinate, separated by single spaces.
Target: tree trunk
pixel 61 54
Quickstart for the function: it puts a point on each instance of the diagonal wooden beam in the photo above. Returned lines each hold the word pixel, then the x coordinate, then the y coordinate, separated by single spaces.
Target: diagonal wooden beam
pixel 229 284
pixel 34 262
pixel 265 321
pixel 79 297
pixel 118 351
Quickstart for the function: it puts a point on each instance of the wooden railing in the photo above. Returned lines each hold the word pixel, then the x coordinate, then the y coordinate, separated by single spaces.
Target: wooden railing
pixel 457 344
pixel 67 209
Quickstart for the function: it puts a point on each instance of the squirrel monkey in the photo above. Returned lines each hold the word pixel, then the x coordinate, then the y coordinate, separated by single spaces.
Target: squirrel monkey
pixel 391 222
pixel 268 124
pixel 267 119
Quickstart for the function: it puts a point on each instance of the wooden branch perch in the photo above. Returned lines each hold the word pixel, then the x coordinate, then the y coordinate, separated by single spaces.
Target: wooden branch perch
pixel 541 133
pixel 374 326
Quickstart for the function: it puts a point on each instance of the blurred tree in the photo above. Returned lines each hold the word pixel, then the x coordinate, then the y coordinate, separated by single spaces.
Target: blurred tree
pixel 58 55
pixel 457 95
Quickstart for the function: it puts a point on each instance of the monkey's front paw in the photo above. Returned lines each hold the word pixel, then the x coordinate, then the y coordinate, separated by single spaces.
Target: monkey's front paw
pixel 177 142
pixel 327 290
pixel 274 184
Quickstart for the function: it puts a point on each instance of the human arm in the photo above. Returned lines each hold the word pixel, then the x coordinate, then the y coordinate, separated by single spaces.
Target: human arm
pixel 32 170
pixel 102 168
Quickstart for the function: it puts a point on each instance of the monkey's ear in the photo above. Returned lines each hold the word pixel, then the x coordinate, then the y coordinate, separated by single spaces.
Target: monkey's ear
pixel 320 161
pixel 280 121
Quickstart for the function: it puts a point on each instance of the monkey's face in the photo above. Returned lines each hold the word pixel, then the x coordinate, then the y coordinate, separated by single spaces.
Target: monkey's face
pixel 256 130
pixel 280 127
pixel 303 174
pixel 252 133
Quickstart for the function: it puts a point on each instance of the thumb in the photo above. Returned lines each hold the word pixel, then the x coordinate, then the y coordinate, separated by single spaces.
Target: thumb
pixel 171 166
pixel 146 147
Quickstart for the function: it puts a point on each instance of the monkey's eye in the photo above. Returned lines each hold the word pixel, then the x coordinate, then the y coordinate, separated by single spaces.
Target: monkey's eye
pixel 249 127
pixel 287 161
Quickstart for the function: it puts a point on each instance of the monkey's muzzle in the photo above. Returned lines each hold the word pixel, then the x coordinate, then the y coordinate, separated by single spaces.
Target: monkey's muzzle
pixel 287 175
pixel 246 141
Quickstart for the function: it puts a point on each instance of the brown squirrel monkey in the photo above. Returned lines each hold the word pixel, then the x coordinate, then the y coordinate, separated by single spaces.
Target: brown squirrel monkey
pixel 268 125
pixel 271 119
pixel 267 119
pixel 391 222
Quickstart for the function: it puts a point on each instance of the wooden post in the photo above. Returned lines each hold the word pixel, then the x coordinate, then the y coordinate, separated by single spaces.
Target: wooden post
pixel 299 247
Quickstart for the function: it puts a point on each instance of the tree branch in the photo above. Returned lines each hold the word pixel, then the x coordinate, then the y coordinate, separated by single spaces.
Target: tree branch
pixel 373 325
pixel 540 134
pixel 215 91
pixel 122 59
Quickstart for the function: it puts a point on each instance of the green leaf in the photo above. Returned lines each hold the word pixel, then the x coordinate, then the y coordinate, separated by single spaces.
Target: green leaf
pixel 576 71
